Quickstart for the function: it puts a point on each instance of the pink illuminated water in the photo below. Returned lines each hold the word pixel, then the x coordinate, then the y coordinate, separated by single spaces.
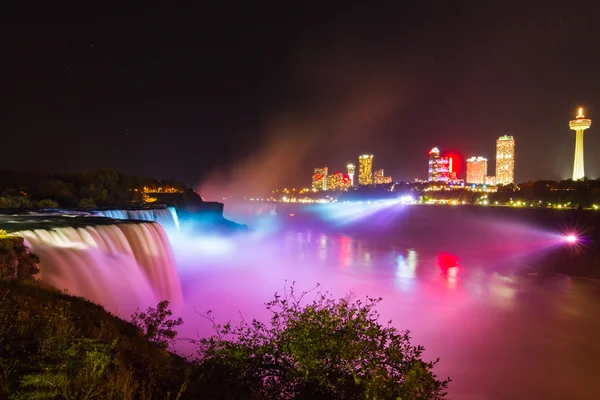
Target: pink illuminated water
pixel 500 331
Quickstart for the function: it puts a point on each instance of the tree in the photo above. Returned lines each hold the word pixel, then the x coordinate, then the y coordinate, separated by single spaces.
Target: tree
pixel 47 203
pixel 16 261
pixel 87 203
pixel 327 349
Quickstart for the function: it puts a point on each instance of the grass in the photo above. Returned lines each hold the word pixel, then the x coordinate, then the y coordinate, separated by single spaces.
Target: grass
pixel 53 345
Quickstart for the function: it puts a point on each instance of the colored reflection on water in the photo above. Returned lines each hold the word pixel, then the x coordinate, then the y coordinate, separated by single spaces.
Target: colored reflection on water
pixel 489 322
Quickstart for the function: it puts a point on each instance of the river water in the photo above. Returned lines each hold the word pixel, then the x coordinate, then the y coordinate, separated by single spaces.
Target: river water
pixel 476 295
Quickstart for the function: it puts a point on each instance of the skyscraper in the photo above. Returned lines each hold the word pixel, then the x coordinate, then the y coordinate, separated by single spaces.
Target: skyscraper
pixel 439 167
pixel 434 155
pixel 505 160
pixel 579 124
pixel 351 170
pixel 476 170
pixel 365 169
pixel 335 181
pixel 319 179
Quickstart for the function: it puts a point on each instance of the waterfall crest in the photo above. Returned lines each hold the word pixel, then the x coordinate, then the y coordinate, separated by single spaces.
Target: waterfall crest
pixel 121 266
pixel 167 217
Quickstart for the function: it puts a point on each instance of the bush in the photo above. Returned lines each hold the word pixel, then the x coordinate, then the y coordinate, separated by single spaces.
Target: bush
pixel 87 203
pixel 47 203
pixel 15 202
pixel 16 261
pixel 156 325
pixel 327 349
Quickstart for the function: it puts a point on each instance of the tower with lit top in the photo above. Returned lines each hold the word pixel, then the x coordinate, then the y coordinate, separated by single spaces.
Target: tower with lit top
pixel 579 124
pixel 351 170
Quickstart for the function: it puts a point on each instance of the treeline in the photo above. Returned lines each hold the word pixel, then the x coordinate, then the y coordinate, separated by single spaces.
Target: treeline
pixel 88 189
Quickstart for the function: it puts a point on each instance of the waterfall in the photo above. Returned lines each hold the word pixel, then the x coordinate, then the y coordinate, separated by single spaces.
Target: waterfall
pixel 167 217
pixel 121 266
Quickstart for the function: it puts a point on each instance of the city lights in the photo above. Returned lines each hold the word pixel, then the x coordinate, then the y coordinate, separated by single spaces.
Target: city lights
pixel 505 160
pixel 439 167
pixel 365 169
pixel 476 170
pixel 319 179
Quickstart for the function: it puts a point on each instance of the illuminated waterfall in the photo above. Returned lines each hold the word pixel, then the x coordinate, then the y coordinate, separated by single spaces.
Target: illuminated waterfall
pixel 121 266
pixel 167 217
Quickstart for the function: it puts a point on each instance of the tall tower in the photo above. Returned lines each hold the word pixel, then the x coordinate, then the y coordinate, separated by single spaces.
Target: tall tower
pixel 579 124
pixel 365 169
pixel 351 170
pixel 505 160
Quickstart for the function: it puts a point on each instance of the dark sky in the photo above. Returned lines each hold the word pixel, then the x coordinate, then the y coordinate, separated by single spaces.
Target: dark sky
pixel 260 95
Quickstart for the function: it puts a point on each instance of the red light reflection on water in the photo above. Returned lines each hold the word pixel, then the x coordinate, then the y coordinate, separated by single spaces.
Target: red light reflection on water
pixel 448 264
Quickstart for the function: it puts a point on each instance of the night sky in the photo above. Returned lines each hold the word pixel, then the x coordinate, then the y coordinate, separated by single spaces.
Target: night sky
pixel 260 95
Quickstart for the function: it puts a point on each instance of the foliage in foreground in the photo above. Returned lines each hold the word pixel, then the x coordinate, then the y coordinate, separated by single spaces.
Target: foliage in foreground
pixel 325 350
pixel 16 261
pixel 54 346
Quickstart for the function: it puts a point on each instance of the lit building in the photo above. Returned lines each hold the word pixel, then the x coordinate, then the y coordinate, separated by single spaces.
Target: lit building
pixel 380 179
pixel 490 180
pixel 476 170
pixel 443 169
pixel 365 169
pixel 335 181
pixel 434 155
pixel 346 182
pixel 579 124
pixel 319 179
pixel 439 167
pixel 505 160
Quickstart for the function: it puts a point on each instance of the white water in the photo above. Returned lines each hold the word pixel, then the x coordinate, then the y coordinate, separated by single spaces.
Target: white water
pixel 120 266
pixel 167 217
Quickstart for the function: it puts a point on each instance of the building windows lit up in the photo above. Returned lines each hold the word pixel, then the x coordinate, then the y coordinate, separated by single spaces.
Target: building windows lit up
pixel 380 179
pixel 505 160
pixel 365 169
pixel 439 167
pixel 319 179
pixel 335 181
pixel 476 170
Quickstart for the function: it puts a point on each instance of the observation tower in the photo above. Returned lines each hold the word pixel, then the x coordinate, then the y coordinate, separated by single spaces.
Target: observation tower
pixel 351 170
pixel 579 124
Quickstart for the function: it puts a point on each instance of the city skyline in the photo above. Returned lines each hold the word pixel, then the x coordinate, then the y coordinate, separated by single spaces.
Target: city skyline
pixel 440 168
pixel 391 81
